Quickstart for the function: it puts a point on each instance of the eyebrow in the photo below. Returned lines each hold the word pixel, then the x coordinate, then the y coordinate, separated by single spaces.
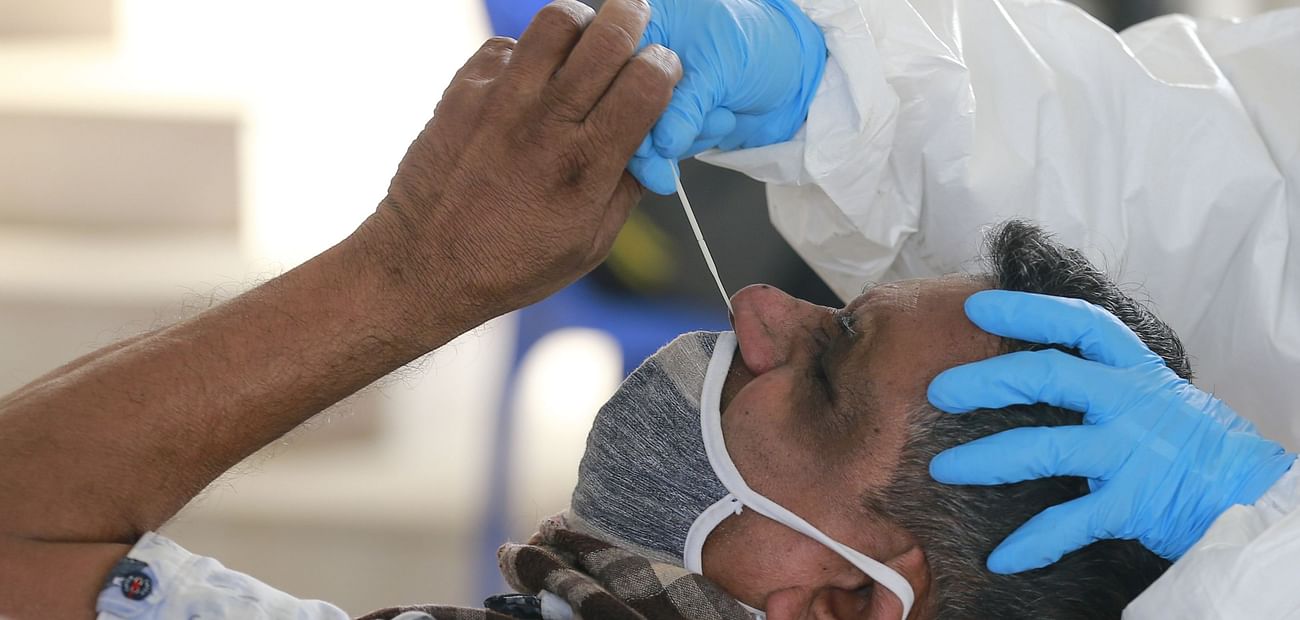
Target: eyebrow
pixel 866 289
pixel 861 318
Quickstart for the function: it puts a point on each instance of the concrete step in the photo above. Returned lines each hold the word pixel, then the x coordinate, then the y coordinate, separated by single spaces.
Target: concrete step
pixel 24 19
pixel 64 293
pixel 85 142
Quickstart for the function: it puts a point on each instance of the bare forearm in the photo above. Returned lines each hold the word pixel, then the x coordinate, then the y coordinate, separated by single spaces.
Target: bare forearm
pixel 114 446
pixel 70 367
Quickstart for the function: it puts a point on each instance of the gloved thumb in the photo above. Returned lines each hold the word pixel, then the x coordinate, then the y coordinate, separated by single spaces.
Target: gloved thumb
pixel 682 123
pixel 655 173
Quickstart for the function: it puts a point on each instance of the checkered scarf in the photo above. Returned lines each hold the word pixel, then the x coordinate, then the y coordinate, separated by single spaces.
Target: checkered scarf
pixel 599 580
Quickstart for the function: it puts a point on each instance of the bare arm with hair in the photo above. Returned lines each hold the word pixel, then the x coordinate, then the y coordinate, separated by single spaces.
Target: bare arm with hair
pixel 513 190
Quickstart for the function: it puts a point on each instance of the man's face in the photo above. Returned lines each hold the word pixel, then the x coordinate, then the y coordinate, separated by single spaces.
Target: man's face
pixel 815 415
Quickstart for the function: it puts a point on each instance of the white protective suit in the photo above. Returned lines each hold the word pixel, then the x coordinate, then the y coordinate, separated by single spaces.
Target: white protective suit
pixel 1169 153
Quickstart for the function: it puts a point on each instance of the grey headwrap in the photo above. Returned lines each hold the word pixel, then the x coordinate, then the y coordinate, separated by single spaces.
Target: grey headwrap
pixel 645 477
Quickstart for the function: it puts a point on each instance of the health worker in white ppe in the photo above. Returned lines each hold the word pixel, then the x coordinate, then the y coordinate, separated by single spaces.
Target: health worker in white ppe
pixel 890 131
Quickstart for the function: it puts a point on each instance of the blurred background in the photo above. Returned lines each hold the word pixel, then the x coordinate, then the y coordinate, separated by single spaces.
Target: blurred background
pixel 159 156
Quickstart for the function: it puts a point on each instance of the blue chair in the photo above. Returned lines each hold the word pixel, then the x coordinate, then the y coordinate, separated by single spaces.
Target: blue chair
pixel 510 17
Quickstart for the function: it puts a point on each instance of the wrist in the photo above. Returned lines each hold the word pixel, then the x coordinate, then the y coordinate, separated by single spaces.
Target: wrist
pixel 812 49
pixel 1271 468
pixel 406 288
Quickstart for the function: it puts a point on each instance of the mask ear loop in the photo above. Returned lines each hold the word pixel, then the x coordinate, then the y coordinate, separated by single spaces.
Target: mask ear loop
pixel 716 448
pixel 693 555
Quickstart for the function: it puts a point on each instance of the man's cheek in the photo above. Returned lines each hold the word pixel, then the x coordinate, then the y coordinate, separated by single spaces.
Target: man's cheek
pixel 764 438
pixel 751 556
pixel 758 412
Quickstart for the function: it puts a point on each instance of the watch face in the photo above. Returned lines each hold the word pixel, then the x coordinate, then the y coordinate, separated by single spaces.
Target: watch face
pixel 136 586
pixel 522 606
pixel 132 578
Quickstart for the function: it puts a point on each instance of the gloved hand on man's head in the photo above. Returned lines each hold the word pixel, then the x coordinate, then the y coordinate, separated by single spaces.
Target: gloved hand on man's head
pixel 1163 458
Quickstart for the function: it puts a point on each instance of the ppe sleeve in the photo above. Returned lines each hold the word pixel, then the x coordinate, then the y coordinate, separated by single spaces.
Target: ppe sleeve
pixel 159 579
pixel 1169 154
pixel 1241 568
pixel 839 190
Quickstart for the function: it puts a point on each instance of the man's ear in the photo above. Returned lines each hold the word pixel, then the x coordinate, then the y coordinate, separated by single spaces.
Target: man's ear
pixel 912 566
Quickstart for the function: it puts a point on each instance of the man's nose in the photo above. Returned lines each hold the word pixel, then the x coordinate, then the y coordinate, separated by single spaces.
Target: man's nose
pixel 771 326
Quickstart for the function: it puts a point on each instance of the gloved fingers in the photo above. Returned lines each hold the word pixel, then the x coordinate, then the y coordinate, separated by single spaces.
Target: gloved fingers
pixel 770 128
pixel 646 149
pixel 1074 323
pixel 712 134
pixel 700 146
pixel 718 123
pixel 655 173
pixel 1050 534
pixel 746 126
pixel 1027 377
pixel 1027 453
pixel 755 130
pixel 695 97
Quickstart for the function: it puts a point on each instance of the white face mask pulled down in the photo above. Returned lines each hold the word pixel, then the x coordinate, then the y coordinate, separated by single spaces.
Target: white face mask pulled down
pixel 657 478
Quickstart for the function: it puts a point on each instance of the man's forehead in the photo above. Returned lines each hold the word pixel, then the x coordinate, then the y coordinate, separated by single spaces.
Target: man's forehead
pixel 921 323
pixel 911 294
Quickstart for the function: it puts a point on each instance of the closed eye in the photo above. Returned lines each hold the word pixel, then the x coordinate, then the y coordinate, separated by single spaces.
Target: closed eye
pixel 818 367
pixel 848 323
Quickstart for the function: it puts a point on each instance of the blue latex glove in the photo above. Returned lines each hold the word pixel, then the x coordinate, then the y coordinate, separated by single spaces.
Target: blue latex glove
pixel 1163 459
pixel 750 70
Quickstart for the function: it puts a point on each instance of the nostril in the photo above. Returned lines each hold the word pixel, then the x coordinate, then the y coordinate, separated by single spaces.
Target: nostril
pixel 761 315
pixel 755 348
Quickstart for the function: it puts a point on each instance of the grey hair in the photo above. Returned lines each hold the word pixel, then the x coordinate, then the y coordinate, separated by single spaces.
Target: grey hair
pixel 958 526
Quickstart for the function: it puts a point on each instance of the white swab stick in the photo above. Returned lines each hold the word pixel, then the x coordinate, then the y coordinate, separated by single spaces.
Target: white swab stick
pixel 699 236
